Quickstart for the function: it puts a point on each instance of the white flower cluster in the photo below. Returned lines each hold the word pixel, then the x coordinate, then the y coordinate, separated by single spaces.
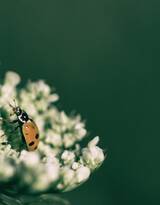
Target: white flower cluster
pixel 59 163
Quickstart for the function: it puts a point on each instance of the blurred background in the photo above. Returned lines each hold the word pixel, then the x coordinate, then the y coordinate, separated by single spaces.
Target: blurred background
pixel 102 56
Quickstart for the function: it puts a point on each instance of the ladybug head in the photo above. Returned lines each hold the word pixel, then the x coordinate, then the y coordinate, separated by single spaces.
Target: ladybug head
pixel 17 111
pixel 21 114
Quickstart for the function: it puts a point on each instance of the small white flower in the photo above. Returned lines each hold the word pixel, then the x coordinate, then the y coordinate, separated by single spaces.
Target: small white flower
pixel 68 157
pixel 75 165
pixel 76 178
pixel 93 156
pixel 12 78
pixel 68 177
pixel 47 150
pixel 41 86
pixel 81 133
pixel 30 159
pixel 40 184
pixel 82 174
pixel 46 175
pixel 63 118
pixel 53 138
pixel 52 171
pixel 7 93
pixel 68 140
pixel 6 169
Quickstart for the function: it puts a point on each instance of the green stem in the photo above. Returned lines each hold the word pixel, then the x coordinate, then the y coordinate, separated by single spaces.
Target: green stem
pixel 44 199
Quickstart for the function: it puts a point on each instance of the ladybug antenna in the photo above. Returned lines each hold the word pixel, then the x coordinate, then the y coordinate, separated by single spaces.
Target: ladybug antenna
pixel 14 100
pixel 13 108
pixel 11 105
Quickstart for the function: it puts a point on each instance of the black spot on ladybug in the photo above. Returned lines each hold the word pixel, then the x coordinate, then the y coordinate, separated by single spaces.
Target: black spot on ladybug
pixel 35 147
pixel 31 143
pixel 26 133
pixel 37 136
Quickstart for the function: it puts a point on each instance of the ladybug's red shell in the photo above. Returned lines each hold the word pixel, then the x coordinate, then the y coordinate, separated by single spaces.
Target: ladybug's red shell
pixel 31 135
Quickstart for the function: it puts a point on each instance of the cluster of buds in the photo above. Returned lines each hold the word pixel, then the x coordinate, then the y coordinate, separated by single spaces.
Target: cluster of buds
pixel 59 163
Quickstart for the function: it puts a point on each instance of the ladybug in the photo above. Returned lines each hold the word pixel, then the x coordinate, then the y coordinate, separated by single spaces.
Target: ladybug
pixel 28 127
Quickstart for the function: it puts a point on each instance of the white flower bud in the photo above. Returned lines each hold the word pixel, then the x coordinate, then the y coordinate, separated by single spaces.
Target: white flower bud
pixel 6 169
pixel 93 156
pixel 53 138
pixel 68 176
pixel 68 140
pixel 75 165
pixel 63 117
pixel 68 157
pixel 52 171
pixel 40 184
pixel 12 78
pixel 81 133
pixel 82 174
pixel 43 87
pixel 30 159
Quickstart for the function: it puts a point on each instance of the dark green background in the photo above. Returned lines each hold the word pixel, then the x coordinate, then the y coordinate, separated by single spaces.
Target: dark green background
pixel 103 58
